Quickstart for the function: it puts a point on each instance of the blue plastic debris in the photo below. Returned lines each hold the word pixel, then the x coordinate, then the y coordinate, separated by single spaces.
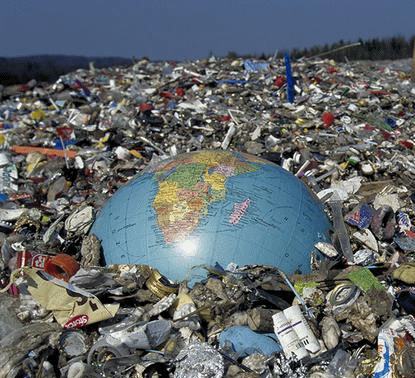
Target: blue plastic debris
pixel 62 144
pixel 251 66
pixel 290 80
pixel 244 341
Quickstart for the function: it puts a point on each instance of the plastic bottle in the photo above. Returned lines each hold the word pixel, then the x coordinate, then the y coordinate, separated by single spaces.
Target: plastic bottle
pixel 287 337
pixel 302 329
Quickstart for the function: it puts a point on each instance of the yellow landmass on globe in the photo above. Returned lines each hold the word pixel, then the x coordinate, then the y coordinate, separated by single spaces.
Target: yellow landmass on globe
pixel 167 193
pixel 187 188
pixel 215 180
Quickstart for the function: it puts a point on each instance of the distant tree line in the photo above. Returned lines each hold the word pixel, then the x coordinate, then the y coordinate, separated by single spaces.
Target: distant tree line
pixel 391 48
pixel 48 68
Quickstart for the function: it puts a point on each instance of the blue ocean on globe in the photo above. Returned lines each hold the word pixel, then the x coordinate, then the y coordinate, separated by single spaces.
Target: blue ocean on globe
pixel 207 207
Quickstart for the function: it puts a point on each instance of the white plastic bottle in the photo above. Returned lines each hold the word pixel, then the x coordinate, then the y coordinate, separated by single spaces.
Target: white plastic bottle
pixel 302 328
pixel 287 337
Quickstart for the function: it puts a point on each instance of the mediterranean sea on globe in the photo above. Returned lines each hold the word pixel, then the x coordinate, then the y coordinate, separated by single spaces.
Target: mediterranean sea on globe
pixel 208 207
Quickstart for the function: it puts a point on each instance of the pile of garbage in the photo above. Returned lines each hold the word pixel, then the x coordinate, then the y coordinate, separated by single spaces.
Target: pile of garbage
pixel 346 130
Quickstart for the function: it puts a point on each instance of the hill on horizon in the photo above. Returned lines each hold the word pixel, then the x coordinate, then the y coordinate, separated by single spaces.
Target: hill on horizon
pixel 48 68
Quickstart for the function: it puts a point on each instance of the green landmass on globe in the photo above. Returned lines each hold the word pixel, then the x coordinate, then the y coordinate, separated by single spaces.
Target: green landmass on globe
pixel 187 186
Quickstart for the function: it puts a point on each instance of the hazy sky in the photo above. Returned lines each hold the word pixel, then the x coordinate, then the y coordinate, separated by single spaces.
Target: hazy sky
pixel 180 29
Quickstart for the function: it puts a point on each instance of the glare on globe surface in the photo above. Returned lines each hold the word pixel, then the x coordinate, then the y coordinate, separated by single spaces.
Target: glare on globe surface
pixel 208 207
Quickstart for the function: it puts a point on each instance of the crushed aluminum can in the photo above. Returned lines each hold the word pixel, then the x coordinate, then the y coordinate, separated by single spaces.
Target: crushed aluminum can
pixel 366 238
pixel 160 285
pixel 343 296
pixel 80 220
pixel 386 349
pixel 162 305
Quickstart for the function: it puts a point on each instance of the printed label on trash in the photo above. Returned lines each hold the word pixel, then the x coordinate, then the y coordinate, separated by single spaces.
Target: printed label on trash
pixel 77 322
pixel 71 306
pixel 38 261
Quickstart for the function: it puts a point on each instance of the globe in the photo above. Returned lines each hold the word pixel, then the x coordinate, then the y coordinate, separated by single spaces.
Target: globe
pixel 212 207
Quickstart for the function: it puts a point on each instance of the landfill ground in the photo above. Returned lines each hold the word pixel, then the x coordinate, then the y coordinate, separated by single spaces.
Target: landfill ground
pixel 67 147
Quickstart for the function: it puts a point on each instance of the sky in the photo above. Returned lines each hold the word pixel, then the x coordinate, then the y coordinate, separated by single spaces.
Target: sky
pixel 185 29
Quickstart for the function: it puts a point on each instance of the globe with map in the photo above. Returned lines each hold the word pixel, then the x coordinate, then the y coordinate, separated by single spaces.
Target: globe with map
pixel 212 207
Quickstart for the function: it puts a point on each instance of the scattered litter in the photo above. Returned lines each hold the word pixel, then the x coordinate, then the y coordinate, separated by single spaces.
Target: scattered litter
pixel 307 273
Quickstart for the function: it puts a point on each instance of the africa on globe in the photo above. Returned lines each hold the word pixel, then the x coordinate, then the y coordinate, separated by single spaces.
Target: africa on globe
pixel 208 207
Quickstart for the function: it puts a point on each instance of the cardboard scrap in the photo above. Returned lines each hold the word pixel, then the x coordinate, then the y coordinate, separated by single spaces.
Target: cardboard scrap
pixel 72 307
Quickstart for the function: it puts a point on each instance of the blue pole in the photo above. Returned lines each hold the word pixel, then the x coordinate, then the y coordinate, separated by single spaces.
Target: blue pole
pixel 290 80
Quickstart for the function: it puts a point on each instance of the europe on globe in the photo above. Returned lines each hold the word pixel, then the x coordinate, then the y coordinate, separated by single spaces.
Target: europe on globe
pixel 207 207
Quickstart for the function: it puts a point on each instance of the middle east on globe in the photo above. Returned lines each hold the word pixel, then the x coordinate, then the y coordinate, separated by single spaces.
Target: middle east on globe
pixel 212 207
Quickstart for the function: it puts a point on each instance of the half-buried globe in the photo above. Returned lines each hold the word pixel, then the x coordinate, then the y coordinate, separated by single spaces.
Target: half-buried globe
pixel 209 207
